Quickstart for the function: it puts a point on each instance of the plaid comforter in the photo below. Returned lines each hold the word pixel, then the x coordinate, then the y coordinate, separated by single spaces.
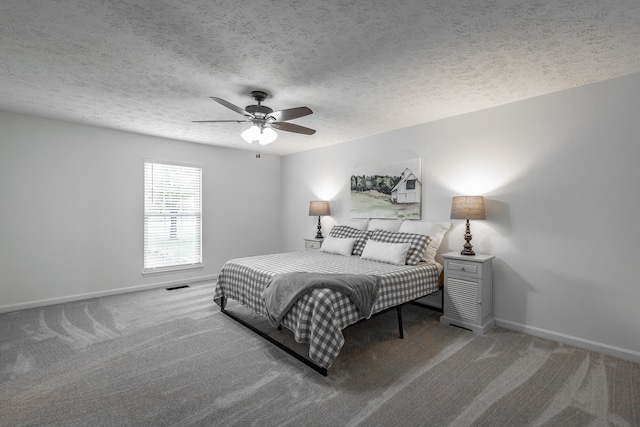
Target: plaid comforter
pixel 319 316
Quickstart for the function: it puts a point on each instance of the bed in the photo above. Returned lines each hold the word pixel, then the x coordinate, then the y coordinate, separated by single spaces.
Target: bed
pixel 319 316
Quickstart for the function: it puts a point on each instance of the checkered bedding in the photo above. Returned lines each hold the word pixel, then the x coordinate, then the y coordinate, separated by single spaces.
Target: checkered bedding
pixel 319 316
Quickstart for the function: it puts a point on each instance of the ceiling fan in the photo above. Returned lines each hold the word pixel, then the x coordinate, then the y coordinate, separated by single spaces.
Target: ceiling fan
pixel 264 119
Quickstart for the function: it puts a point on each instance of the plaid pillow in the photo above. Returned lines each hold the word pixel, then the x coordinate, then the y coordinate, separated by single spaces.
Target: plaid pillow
pixel 418 243
pixel 346 232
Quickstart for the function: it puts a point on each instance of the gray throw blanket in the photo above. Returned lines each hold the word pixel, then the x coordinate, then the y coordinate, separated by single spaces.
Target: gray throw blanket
pixel 285 289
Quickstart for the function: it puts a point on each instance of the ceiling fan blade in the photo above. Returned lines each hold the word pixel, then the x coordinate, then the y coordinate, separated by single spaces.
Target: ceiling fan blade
pixel 290 127
pixel 232 107
pixel 290 114
pixel 220 121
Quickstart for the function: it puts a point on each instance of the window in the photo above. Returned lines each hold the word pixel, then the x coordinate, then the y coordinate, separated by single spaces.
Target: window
pixel 172 217
pixel 411 184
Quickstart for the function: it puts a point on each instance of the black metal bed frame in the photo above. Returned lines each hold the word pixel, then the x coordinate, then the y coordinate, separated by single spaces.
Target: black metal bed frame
pixel 303 359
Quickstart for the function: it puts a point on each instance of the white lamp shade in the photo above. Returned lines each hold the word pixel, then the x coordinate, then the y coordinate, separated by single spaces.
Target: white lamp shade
pixel 263 136
pixel 268 136
pixel 251 134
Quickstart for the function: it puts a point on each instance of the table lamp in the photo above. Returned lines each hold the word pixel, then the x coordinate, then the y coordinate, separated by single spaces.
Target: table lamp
pixel 319 208
pixel 467 207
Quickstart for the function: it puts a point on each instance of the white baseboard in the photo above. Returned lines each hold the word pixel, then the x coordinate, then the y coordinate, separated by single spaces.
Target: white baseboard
pixel 609 350
pixel 78 297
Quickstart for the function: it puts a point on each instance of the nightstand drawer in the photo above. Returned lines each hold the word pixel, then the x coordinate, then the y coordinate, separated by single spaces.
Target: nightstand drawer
pixel 470 269
pixel 310 244
pixel 313 245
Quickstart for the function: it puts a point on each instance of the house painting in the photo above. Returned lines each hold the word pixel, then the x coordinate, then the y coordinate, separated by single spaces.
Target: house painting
pixel 408 189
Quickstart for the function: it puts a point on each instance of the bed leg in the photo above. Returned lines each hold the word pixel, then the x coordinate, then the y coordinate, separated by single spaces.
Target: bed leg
pixel 400 322
pixel 309 363
pixel 223 303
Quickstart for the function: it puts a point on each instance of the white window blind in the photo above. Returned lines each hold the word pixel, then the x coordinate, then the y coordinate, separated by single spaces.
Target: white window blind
pixel 172 217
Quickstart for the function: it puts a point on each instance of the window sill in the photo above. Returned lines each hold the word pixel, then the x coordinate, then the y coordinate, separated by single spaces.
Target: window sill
pixel 176 269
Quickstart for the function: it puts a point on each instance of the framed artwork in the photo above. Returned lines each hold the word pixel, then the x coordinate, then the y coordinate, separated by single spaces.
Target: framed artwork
pixel 387 190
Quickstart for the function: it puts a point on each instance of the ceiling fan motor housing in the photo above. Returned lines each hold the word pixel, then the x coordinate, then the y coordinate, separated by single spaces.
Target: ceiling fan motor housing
pixel 259 110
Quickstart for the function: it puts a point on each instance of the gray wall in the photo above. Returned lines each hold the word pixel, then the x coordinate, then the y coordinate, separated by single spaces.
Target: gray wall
pixel 71 209
pixel 559 174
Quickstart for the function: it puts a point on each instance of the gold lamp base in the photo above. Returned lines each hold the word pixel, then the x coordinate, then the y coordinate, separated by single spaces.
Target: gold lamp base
pixel 319 233
pixel 467 248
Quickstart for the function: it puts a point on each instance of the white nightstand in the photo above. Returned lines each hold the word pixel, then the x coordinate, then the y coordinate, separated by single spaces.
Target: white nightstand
pixel 468 298
pixel 312 244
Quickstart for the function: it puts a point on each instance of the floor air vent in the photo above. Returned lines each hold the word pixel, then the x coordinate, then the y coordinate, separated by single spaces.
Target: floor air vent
pixel 177 287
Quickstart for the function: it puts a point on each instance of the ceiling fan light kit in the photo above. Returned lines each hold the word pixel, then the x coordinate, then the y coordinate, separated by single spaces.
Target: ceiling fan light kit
pixel 264 120
pixel 261 135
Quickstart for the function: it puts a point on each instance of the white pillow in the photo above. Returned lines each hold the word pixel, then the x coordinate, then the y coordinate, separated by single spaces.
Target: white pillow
pixel 384 224
pixel 360 224
pixel 338 245
pixel 391 253
pixel 435 230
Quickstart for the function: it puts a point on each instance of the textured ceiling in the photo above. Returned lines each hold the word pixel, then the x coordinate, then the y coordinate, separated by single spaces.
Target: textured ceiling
pixel 363 67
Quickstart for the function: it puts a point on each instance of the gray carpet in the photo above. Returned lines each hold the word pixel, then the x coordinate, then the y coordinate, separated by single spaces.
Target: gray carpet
pixel 163 357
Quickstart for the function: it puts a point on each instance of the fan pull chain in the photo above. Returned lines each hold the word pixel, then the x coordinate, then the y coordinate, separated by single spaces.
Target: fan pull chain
pixel 257 150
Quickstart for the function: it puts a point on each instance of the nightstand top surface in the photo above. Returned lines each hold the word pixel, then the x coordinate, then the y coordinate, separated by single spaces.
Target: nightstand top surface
pixel 472 258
